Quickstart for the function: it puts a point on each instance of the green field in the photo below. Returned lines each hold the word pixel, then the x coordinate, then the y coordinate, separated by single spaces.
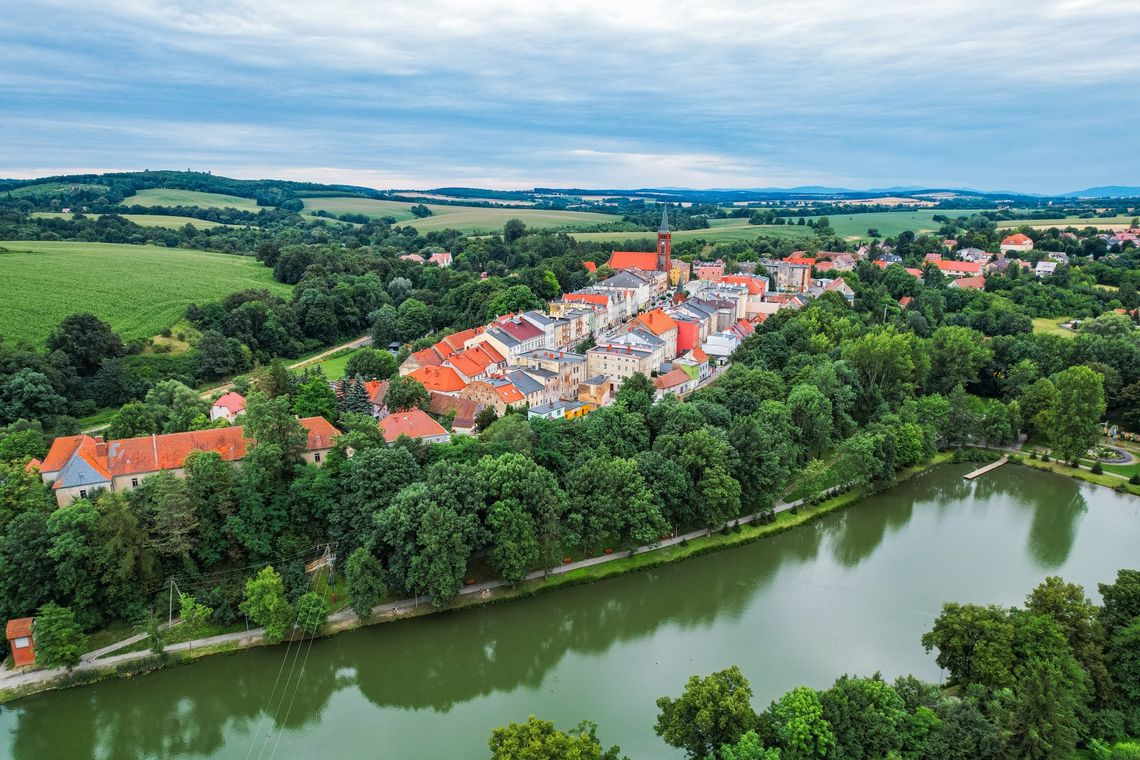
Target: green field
pixel 333 367
pixel 146 220
pixel 1107 222
pixel 1046 326
pixel 164 197
pixel 719 231
pixel 463 218
pixel 50 188
pixel 141 290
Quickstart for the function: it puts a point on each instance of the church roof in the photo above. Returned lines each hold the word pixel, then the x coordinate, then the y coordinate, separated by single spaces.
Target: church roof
pixel 664 220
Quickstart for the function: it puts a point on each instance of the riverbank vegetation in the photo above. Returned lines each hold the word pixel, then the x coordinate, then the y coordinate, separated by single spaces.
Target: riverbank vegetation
pixel 1036 681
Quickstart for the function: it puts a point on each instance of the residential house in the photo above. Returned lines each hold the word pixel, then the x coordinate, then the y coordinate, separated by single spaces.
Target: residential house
pixel 1045 268
pixel 675 382
pixel 463 410
pixel 595 390
pixel 440 259
pixel 974 254
pixel 959 268
pixel 476 362
pixel 228 407
pixel 77 465
pixel 709 271
pixel 413 423
pixel 657 322
pixel 1016 242
pixel 969 283
pixel 442 379
pixel 620 361
pixel 550 388
pixel 836 285
pixel 569 368
pixel 415 258
pixel 679 272
pixel 428 357
pixel 496 392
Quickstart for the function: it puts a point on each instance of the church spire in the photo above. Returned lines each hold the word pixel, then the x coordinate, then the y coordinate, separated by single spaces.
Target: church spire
pixel 664 219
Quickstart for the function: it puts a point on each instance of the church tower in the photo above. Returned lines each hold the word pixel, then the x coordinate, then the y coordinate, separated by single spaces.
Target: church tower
pixel 664 243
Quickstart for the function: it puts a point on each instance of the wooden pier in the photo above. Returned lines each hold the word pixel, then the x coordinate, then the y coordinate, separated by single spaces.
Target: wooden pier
pixel 983 470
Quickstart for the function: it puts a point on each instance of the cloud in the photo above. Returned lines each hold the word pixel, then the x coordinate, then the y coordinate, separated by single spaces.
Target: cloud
pixel 582 92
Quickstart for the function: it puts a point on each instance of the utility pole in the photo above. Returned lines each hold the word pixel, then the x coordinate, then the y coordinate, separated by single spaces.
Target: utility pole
pixel 170 612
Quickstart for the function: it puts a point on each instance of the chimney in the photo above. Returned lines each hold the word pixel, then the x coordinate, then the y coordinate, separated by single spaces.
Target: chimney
pixel 100 447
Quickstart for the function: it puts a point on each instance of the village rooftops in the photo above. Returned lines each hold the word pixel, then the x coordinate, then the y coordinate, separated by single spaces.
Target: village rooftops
pixel 443 378
pixel 414 423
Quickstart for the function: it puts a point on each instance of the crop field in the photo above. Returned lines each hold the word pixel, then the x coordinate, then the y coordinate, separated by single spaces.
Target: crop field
pixel 1104 223
pixel 891 223
pixel 141 290
pixel 146 220
pixel 164 197
pixel 719 231
pixel 50 188
pixel 471 219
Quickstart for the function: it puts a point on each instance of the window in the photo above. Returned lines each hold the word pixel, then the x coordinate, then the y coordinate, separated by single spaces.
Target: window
pixel 22 643
pixel 134 482
pixel 317 456
pixel 83 493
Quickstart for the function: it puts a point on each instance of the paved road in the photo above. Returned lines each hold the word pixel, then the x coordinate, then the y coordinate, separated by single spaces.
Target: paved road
pixel 11 679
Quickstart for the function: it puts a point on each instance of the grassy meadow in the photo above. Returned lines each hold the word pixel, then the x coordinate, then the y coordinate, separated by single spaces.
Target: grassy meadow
pixel 719 231
pixel 1047 326
pixel 1104 223
pixel 141 290
pixel 146 220
pixel 164 197
pixel 472 219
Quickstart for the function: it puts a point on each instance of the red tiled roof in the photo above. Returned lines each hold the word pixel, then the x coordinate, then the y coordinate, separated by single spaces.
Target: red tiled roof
pixel 440 378
pixel 1016 239
pixel 18 627
pixel 61 450
pixel 475 360
pixel 33 465
pixel 465 409
pixel 756 285
pixel 414 423
pixel 824 266
pixel 958 266
pixel 321 431
pixel 657 321
pixel 806 260
pixel 590 266
pixel 904 302
pixel 970 283
pixel 699 354
pixel 428 357
pixel 672 379
pixel 601 299
pixel 646 260
pixel 508 393
pixel 376 390
pixel 519 329
pixel 232 402
pixel 453 343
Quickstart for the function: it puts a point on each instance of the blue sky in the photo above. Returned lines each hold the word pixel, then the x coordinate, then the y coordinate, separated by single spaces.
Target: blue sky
pixel 1035 95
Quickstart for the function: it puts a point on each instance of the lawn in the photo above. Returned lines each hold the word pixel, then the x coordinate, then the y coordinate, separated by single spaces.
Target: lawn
pixel 333 367
pixel 164 197
pixel 50 188
pixel 141 290
pixel 462 218
pixel 719 231
pixel 146 220
pixel 1108 222
pixel 1044 325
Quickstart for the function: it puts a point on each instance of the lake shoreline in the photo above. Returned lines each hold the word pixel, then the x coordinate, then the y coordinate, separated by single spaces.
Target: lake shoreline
pixel 618 566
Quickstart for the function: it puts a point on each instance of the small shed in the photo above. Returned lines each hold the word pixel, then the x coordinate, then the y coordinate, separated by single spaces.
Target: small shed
pixel 19 635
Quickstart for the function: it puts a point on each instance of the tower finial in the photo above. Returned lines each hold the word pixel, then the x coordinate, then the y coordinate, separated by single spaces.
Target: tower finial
pixel 664 219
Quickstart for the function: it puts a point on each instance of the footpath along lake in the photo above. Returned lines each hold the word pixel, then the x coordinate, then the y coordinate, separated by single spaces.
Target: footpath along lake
pixel 850 593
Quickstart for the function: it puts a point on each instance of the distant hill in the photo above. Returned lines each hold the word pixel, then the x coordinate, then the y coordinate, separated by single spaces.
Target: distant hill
pixel 1108 191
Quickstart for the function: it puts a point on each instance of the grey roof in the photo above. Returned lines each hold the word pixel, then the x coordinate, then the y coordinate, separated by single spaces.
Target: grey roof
pixel 538 318
pixel 504 337
pixel 625 350
pixel 545 408
pixel 549 354
pixel 77 472
pixel 623 279
pixel 538 372
pixel 595 380
pixel 664 220
pixel 524 382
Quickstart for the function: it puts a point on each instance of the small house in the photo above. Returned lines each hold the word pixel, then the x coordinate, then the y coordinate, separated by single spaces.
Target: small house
pixel 228 407
pixel 19 635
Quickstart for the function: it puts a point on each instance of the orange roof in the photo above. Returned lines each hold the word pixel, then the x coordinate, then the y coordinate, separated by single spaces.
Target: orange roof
pixel 657 321
pixel 1016 239
pixel 414 423
pixel 806 260
pixel 508 393
pixel 646 260
pixel 475 360
pixel 442 378
pixel 376 390
pixel 453 343
pixel 18 627
pixel 958 266
pixel 601 299
pixel 904 302
pixel 824 266
pixel 33 465
pixel 699 354
pixel 428 357
pixel 61 450
pixel 970 283
pixel 756 285
pixel 233 402
pixel 321 432
pixel 590 266
pixel 672 379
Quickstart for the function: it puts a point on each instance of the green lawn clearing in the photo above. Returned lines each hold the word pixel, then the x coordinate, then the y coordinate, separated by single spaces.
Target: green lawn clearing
pixel 470 219
pixel 164 197
pixel 1107 222
pixel 146 220
pixel 140 289
pixel 719 231
pixel 1047 326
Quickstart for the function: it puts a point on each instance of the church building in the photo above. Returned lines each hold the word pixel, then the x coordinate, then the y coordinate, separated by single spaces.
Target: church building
pixel 649 261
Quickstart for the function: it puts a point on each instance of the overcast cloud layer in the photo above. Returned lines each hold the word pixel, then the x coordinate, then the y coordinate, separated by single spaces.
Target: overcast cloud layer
pixel 1030 95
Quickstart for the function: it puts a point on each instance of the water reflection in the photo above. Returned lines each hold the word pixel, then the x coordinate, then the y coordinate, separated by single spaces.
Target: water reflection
pixel 439 662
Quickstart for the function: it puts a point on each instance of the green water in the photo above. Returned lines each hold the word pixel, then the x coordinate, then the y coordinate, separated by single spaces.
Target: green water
pixel 851 593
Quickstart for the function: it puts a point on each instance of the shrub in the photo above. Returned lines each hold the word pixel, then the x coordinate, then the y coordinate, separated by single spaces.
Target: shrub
pixel 1135 479
pixel 1097 469
pixel 1045 457
pixel 1033 454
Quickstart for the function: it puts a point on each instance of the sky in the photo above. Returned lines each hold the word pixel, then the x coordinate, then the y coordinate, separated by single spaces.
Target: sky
pixel 1032 96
